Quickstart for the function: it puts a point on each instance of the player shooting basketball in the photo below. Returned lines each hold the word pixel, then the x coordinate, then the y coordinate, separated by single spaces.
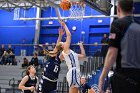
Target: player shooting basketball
pixel 72 61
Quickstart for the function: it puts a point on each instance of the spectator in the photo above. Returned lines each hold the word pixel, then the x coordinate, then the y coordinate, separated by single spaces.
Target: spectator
pixel 34 60
pixel 25 62
pixel 2 49
pixel 104 49
pixel 10 50
pixel 4 58
pixel 11 55
pixel 85 88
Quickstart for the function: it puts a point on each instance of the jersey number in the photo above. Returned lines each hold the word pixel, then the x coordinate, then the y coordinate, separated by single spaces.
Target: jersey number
pixel 56 69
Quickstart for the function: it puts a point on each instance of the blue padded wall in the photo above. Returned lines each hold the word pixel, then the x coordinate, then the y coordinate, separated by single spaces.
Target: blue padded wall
pixel 85 25
pixel 14 31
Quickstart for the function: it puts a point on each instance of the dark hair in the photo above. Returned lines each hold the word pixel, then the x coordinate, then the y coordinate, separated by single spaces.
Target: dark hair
pixel 35 54
pixel 126 5
pixel 24 58
pixel 27 70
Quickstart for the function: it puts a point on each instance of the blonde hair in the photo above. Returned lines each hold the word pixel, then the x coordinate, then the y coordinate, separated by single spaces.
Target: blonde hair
pixel 58 47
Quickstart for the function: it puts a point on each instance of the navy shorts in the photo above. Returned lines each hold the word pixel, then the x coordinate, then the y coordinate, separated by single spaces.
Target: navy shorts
pixel 48 86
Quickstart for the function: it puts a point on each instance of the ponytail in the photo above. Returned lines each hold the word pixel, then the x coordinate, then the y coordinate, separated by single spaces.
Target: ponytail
pixel 58 47
pixel 46 52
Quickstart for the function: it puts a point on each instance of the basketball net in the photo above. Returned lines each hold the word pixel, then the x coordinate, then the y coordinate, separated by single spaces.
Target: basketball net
pixel 77 10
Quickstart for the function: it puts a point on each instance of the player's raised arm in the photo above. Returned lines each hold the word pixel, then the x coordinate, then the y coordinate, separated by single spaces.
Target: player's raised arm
pixel 68 38
pixel 82 54
pixel 61 33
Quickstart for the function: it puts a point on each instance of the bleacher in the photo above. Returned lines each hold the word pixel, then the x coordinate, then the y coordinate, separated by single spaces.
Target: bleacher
pixel 11 75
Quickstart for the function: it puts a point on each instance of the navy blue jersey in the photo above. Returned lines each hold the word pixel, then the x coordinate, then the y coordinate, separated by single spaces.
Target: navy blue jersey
pixel 52 68
pixel 29 83
pixel 51 71
pixel 84 88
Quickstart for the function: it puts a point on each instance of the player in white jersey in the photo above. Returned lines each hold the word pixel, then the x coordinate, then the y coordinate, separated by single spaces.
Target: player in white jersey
pixel 72 61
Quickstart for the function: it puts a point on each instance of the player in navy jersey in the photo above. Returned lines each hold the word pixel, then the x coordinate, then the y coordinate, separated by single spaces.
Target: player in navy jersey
pixel 48 82
pixel 85 87
pixel 29 83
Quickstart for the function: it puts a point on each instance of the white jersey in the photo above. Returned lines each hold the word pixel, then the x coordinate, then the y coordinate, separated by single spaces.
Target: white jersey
pixel 71 59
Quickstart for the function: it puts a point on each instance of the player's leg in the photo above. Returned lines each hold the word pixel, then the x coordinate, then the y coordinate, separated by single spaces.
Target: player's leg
pixel 74 80
pixel 73 90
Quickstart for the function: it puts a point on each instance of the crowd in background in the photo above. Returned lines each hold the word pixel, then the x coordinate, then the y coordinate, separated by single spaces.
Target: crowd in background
pixel 34 61
pixel 7 56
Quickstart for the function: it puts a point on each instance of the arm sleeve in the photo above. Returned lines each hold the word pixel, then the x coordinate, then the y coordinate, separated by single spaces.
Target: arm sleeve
pixel 115 35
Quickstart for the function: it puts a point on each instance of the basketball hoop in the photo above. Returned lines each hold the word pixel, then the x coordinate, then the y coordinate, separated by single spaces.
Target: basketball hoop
pixel 77 10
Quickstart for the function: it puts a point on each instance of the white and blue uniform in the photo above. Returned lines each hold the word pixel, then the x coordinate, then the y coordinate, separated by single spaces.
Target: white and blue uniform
pixel 73 74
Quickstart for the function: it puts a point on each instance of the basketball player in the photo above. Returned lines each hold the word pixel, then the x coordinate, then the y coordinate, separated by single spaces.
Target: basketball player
pixel 72 61
pixel 85 87
pixel 48 82
pixel 30 82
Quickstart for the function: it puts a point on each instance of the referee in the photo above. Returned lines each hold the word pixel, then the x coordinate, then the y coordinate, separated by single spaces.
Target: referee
pixel 124 49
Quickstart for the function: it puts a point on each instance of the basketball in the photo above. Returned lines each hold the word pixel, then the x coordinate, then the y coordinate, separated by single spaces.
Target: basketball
pixel 65 4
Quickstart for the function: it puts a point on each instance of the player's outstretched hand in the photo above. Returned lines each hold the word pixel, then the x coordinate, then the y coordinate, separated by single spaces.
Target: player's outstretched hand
pixel 80 43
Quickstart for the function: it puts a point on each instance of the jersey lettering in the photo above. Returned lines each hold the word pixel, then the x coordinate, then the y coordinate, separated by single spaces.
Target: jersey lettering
pixel 56 69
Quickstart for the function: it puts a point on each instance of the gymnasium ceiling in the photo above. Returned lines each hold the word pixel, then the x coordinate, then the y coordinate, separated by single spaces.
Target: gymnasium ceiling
pixel 10 5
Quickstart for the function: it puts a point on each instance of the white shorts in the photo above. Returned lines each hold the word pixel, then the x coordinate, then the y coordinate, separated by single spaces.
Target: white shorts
pixel 73 77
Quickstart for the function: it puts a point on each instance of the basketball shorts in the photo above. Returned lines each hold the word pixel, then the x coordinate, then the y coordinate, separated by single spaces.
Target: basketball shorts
pixel 73 77
pixel 47 86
